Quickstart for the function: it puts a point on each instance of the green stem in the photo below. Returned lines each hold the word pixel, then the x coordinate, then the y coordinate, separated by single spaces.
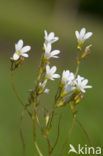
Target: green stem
pixel 84 131
pixel 21 134
pixel 68 136
pixel 58 134
pixel 37 148
pixel 34 137
pixel 18 97
pixel 45 134
pixel 77 69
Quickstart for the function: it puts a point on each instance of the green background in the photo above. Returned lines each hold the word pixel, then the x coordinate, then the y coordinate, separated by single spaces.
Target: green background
pixel 27 20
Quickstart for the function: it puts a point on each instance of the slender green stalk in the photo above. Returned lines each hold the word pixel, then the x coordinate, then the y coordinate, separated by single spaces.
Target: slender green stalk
pixel 77 69
pixel 68 136
pixel 34 136
pixel 21 134
pixel 85 132
pixel 37 148
pixel 16 93
pixel 58 133
pixel 45 134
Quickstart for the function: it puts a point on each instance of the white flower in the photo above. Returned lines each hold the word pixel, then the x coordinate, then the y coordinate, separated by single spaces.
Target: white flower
pixel 67 76
pixel 20 50
pixel 43 84
pixel 82 36
pixel 69 87
pixel 50 38
pixel 48 53
pixel 50 73
pixel 81 83
pixel 46 90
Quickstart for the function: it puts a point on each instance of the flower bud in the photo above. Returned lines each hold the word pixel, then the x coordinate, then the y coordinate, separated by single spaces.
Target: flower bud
pixel 86 52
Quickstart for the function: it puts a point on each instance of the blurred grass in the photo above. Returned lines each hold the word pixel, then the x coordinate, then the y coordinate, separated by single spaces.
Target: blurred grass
pixel 27 20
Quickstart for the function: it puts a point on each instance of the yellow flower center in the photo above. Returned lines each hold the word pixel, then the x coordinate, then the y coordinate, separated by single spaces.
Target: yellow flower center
pixel 18 53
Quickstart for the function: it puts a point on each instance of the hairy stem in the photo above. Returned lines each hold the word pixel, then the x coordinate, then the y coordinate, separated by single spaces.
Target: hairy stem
pixel 68 136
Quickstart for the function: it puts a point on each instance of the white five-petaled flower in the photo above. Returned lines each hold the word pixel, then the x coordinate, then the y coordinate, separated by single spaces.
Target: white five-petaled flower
pixel 67 77
pixel 48 53
pixel 50 38
pixel 82 36
pixel 81 83
pixel 50 73
pixel 20 50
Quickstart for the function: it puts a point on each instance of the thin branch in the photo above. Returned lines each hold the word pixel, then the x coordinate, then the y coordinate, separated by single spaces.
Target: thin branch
pixel 45 134
pixel 84 131
pixel 34 137
pixel 58 134
pixel 68 136
pixel 77 70
pixel 37 148
pixel 21 134
pixel 16 93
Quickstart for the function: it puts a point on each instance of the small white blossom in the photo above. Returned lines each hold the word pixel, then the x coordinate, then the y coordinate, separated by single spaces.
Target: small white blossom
pixel 67 76
pixel 48 53
pixel 50 38
pixel 81 83
pixel 69 87
pixel 43 84
pixel 50 73
pixel 82 36
pixel 46 90
pixel 20 50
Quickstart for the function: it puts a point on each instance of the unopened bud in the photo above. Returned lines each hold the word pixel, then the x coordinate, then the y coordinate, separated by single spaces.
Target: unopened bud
pixel 47 119
pixel 86 52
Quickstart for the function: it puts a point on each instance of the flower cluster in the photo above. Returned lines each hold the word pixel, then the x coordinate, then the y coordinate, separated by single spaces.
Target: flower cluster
pixel 48 53
pixel 71 83
pixel 68 80
pixel 49 40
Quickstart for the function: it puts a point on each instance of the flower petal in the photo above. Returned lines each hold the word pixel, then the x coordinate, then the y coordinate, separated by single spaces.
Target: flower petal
pixel 77 34
pixel 82 32
pixel 15 56
pixel 19 45
pixel 47 47
pixel 25 49
pixel 56 76
pixel 47 91
pixel 46 34
pixel 47 69
pixel 53 69
pixel 88 35
pixel 88 86
pixel 55 56
pixel 85 82
pixel 55 52
pixel 25 55
pixel 51 36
